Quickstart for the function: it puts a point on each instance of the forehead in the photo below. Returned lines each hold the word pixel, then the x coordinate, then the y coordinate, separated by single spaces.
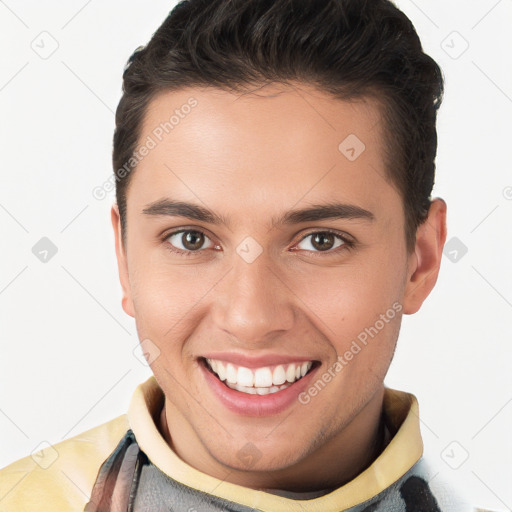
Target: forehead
pixel 300 115
pixel 277 144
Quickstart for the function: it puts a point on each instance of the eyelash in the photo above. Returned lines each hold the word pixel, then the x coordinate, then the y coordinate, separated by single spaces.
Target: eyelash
pixel 347 243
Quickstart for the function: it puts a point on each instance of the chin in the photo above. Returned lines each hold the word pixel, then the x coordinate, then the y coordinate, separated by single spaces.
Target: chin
pixel 253 457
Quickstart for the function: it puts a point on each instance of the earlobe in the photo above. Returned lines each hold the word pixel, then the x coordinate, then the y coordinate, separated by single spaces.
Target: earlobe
pixel 426 260
pixel 122 263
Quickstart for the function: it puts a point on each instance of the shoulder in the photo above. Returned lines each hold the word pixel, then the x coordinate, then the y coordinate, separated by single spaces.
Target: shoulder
pixel 62 475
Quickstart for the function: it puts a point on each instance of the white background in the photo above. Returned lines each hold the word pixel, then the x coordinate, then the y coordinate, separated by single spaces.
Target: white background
pixel 67 361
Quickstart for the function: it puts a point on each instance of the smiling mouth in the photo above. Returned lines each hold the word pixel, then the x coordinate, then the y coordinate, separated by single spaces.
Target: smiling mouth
pixel 258 381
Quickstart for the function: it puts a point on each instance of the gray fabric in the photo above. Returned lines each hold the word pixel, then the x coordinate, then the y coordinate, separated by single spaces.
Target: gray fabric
pixel 160 493
pixel 157 492
pixel 129 482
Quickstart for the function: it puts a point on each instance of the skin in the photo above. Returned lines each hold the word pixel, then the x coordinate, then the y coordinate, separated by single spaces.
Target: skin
pixel 250 158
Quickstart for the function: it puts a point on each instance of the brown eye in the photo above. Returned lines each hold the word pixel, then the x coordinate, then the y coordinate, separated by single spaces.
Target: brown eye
pixel 187 240
pixel 322 241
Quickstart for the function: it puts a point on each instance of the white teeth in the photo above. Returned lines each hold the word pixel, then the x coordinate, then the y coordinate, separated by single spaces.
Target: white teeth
pixel 245 377
pixel 263 378
pixel 290 373
pixel 279 375
pixel 261 381
pixel 258 391
pixel 231 373
pixel 304 369
pixel 220 370
pixel 243 389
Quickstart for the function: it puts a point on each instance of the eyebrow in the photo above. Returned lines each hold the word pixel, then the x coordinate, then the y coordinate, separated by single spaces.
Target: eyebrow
pixel 192 211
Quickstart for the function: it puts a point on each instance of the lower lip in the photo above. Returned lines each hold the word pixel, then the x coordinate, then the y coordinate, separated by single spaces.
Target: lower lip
pixel 256 405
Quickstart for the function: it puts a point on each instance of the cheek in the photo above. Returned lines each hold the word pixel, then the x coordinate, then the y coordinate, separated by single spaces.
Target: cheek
pixel 167 300
pixel 349 298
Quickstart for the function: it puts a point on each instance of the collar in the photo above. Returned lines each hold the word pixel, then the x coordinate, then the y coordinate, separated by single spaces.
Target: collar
pixel 401 453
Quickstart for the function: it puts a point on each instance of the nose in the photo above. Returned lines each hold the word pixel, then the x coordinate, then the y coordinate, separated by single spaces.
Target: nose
pixel 253 303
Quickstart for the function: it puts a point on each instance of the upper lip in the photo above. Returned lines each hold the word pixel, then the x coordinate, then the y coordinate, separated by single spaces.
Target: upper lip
pixel 256 361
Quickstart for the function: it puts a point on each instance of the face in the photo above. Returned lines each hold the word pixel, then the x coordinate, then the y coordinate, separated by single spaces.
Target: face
pixel 266 268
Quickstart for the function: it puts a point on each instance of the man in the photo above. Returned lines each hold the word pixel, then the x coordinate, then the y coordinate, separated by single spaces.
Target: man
pixel 274 162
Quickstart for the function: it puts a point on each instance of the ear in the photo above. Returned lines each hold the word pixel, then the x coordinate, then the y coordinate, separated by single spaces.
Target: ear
pixel 122 263
pixel 425 261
